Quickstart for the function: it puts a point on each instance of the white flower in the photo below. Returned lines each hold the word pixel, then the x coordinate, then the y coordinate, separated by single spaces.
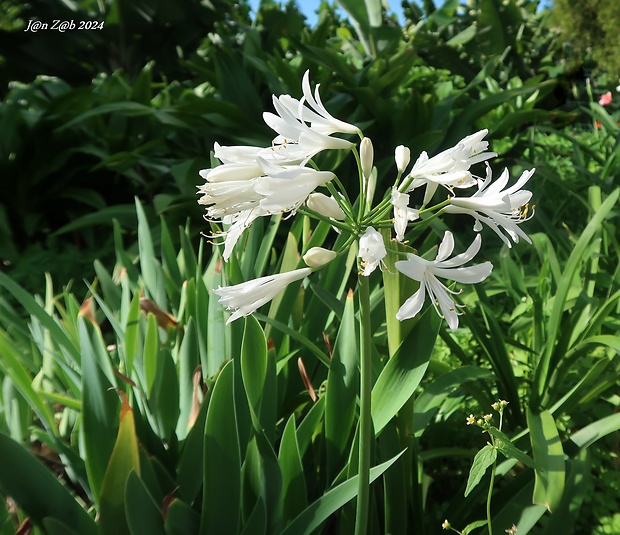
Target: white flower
pixel 450 168
pixel 402 213
pixel 247 297
pixel 293 116
pixel 316 113
pixel 371 250
pixel 497 207
pixel 426 273
pixel 318 256
pixel 324 205
pixel 402 155
pixel 284 189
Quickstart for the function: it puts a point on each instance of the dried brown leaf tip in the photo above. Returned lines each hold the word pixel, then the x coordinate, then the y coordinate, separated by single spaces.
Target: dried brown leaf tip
pixel 87 310
pixel 164 319
pixel 306 379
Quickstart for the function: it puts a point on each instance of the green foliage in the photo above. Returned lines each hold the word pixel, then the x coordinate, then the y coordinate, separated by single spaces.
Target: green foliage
pixel 590 27
pixel 220 432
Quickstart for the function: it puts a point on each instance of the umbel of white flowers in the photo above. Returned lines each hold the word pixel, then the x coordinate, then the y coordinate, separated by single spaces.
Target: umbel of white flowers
pixel 254 182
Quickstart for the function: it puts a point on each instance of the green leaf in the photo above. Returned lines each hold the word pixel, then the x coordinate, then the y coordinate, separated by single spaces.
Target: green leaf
pixel 294 498
pixel 505 445
pixel 37 491
pixel 143 514
pixel 254 362
pixel 320 510
pixel 100 409
pixel 124 459
pixel 404 371
pixel 545 368
pixel 474 525
pixel 591 433
pixel 150 354
pixel 435 393
pixel 342 387
pixel 549 458
pixel 483 459
pixel 181 519
pixel 222 459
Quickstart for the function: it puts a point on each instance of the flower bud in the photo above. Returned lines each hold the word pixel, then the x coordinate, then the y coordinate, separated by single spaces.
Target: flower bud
pixel 324 205
pixel 318 256
pixel 367 155
pixel 402 155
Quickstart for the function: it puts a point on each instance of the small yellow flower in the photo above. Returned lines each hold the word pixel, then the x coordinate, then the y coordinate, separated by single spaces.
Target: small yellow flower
pixel 488 417
pixel 445 524
pixel 512 530
pixel 470 419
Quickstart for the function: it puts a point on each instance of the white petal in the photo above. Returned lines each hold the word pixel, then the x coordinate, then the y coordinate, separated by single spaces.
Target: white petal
pixel 412 306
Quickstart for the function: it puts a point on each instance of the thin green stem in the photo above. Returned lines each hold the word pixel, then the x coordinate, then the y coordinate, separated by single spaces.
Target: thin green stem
pixel 365 426
pixel 489 498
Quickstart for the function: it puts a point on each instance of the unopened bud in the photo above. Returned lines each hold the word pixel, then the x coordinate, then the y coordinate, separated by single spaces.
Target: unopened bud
pixel 367 155
pixel 325 205
pixel 402 155
pixel 318 256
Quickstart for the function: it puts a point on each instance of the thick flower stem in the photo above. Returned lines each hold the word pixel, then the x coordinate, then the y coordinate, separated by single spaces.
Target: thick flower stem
pixel 365 426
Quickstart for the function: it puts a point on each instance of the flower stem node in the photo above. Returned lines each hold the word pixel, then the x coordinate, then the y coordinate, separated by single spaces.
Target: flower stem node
pixel 318 256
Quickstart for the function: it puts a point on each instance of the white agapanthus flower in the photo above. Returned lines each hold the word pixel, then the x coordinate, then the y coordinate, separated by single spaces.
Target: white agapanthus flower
pixel 449 168
pixel 307 123
pixel 427 272
pixel 402 213
pixel 247 297
pixel 371 251
pixel 497 206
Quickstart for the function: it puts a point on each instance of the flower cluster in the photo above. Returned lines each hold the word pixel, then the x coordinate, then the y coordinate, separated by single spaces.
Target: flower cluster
pixel 254 182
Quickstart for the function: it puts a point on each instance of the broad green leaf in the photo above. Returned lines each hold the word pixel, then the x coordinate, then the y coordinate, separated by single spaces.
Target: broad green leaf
pixel 342 388
pixel 222 459
pixel 482 461
pixel 549 458
pixel 143 514
pixel 254 362
pixel 257 521
pixel 189 472
pixel 124 460
pixel 37 491
pixel 100 409
pixel 591 433
pixel 309 425
pixel 294 497
pixel 164 399
pixel 181 519
pixel 320 510
pixel 404 371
